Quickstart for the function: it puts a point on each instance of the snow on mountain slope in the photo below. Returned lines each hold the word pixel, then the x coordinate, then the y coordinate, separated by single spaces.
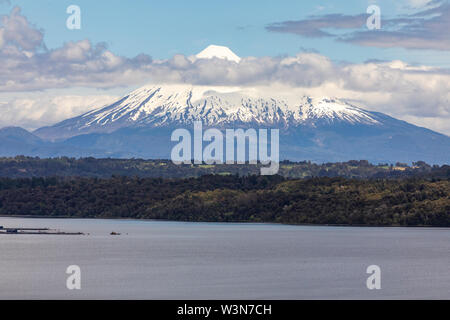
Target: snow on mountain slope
pixel 220 52
pixel 175 105
pixel 333 110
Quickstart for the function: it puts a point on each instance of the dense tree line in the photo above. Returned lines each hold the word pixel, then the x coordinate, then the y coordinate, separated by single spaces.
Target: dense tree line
pixel 22 166
pixel 418 201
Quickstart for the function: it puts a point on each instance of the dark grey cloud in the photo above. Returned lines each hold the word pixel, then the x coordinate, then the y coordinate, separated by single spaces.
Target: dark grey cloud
pixel 425 29
pixel 315 26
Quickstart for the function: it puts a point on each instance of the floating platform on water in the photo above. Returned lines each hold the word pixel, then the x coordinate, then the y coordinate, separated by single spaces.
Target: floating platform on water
pixel 37 231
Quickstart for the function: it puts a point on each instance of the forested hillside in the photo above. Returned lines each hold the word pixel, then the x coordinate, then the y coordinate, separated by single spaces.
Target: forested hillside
pixel 22 167
pixel 402 202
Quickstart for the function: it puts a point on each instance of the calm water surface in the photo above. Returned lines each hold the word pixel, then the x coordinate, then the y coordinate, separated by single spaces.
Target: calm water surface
pixel 175 260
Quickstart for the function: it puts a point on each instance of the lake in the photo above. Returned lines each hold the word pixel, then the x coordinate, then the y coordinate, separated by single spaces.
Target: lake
pixel 177 260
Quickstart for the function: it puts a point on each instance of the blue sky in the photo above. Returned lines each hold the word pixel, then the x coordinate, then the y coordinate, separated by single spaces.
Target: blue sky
pixel 164 28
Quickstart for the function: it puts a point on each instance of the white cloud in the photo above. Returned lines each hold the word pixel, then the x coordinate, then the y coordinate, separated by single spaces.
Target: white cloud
pixel 17 31
pixel 41 110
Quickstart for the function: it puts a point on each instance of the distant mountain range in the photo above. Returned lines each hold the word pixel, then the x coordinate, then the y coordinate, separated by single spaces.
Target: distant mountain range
pixel 318 129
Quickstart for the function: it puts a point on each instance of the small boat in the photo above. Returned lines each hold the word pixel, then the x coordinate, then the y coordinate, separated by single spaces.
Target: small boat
pixel 115 233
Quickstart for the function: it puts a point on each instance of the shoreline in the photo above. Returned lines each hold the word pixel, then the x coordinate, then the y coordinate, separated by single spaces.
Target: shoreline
pixel 225 222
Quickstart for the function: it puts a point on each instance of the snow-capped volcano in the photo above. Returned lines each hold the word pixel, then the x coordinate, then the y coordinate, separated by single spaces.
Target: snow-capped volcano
pixel 319 129
pixel 178 105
